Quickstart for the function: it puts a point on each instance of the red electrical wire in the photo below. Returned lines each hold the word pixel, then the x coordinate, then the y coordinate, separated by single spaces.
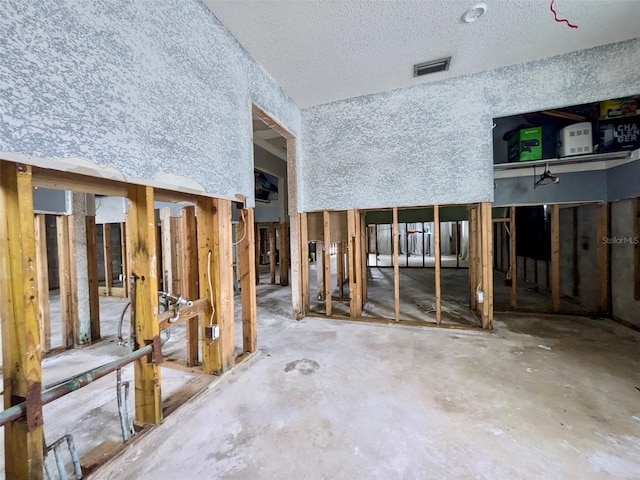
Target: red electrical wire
pixel 560 20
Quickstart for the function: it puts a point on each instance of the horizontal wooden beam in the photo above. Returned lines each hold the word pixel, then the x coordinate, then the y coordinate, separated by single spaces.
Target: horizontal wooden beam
pixel 199 307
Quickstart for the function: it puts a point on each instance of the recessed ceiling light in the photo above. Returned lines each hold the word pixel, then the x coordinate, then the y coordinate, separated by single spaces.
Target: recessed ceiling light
pixel 474 13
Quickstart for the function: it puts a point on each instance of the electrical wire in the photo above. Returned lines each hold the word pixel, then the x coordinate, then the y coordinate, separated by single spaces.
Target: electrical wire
pixel 245 229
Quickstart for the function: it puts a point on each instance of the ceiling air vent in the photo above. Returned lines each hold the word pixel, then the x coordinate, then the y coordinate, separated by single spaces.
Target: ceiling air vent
pixel 425 68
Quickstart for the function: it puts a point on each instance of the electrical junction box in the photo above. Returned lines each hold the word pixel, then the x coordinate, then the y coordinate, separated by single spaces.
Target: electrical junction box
pixel 576 139
pixel 524 144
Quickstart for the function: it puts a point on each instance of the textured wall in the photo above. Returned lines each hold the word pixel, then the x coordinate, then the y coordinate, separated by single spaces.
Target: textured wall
pixel 433 143
pixel 158 90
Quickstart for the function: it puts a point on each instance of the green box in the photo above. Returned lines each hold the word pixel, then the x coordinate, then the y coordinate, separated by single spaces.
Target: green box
pixel 525 145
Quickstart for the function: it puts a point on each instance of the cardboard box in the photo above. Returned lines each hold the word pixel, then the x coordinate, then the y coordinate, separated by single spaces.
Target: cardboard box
pixel 525 144
pixel 619 134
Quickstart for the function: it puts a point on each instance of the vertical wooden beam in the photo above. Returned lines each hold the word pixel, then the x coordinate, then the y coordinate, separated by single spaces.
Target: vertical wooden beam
pixel 603 259
pixel 207 266
pixel 636 249
pixel 21 351
pixel 487 264
pixel 142 234
pixel 92 269
pixel 216 273
pixel 246 256
pixel 424 235
pixel 406 243
pixel 165 229
pixel 223 282
pixel 72 333
pixel 575 267
pixel 124 258
pixel 257 252
pixel 65 275
pixel 304 259
pixel 284 254
pixel 473 252
pixel 190 278
pixel 272 252
pixel 44 313
pixel 327 261
pixel 363 259
pixel 396 267
pixel 108 260
pixel 457 244
pixel 436 233
pixel 340 265
pixel 377 252
pixel 555 257
pixel 176 255
pixel 513 259
pixel 354 263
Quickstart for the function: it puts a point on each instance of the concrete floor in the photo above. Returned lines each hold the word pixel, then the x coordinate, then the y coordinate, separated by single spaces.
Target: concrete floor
pixel 543 397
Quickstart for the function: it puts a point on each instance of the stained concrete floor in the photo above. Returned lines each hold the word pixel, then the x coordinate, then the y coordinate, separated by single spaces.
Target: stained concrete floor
pixel 542 397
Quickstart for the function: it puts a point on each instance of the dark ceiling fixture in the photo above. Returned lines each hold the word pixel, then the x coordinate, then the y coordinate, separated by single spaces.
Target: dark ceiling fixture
pixel 433 66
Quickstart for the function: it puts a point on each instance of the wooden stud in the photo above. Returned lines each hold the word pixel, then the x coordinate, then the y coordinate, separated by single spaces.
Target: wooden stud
pixel 363 260
pixel 92 269
pixel 457 244
pixel 124 258
pixel 636 249
pixel 176 255
pixel 108 259
pixel 206 208
pixel 423 244
pixel 377 252
pixel 21 351
pixel 486 254
pixel 513 259
pixel 555 257
pixel 284 254
pixel 223 281
pixel 74 323
pixel 257 252
pixel 575 273
pixel 340 265
pixel 304 259
pixel 603 259
pixel 473 251
pixel 396 267
pixel 246 254
pixel 44 313
pixel 165 229
pixel 354 264
pixel 272 252
pixel 327 261
pixel 190 278
pixel 66 276
pixel 406 243
pixel 216 271
pixel 436 233
pixel 142 233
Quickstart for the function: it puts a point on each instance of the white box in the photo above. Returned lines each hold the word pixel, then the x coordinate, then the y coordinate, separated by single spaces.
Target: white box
pixel 576 139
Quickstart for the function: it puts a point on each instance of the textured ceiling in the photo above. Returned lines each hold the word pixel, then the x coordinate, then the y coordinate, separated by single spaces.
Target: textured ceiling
pixel 321 51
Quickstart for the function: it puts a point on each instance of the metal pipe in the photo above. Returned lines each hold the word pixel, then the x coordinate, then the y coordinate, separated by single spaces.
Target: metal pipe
pixel 75 383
